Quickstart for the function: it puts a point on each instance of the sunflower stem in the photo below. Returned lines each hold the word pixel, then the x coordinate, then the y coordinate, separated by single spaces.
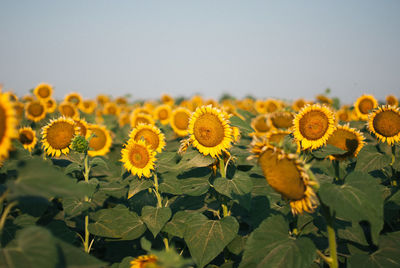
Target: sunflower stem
pixel 222 167
pixel 86 176
pixel 337 170
pixel 333 260
pixel 156 192
pixel 5 214
pixel 166 244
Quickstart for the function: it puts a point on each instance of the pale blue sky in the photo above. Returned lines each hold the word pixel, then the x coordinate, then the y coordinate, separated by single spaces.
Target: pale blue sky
pixel 284 49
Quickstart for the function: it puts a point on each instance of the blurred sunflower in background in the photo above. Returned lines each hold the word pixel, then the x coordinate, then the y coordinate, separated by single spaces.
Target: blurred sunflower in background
pixel 8 125
pixel 364 105
pixel 384 123
pixel 347 139
pixel 282 120
pixel 35 110
pixel 180 121
pixel 43 91
pixel 83 127
pixel 141 118
pixel 392 100
pixel 261 124
pixel 138 158
pixel 68 109
pixel 163 113
pixel 101 142
pixel 87 106
pixel 74 98
pixel 27 136
pixel 151 134
pixel 145 261
pixel 51 105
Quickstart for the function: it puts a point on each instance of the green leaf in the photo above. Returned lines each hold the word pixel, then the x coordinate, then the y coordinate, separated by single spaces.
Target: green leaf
pixel 387 255
pixel 176 226
pixel 170 184
pixel 237 245
pixel 242 125
pixel 33 247
pixel 117 222
pixel 195 186
pixel 359 198
pixel 270 246
pixel 155 218
pixel 114 189
pixel 191 159
pixel 72 167
pixel 137 185
pixel 369 159
pixel 37 177
pixel 207 238
pixel 98 161
pixel 73 257
pixel 75 206
pixel 327 150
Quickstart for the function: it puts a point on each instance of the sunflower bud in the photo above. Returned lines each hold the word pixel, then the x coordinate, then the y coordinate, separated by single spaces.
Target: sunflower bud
pixel 80 144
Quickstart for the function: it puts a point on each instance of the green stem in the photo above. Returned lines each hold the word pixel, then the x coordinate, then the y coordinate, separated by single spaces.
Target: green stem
pixel 5 214
pixel 222 167
pixel 337 170
pixel 333 260
pixel 86 242
pixel 87 168
pixel 86 175
pixel 166 244
pixel 156 192
pixel 225 211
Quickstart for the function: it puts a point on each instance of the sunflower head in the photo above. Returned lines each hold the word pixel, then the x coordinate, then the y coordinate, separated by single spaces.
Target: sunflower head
pixel 74 98
pixel 364 105
pixel 87 106
pixel 210 131
pixel 141 118
pixel 138 158
pixel 145 261
pixel 57 136
pixel 276 136
pixel 19 108
pixel 27 137
pixel 121 101
pixel 80 144
pixel 313 125
pixel 111 108
pixel 384 123
pixel 51 105
pixel 261 124
pixel 347 139
pixel 101 141
pixel 260 106
pixel 102 99
pixel 272 105
pixel 35 110
pixel 68 109
pixel 163 113
pixel 43 91
pixel 180 121
pixel 124 119
pixel 299 104
pixel 344 114
pixel 83 127
pixel 282 120
pixel 151 134
pixel 8 124
pixel 167 99
pixel 287 176
pixel 392 100
pixel 324 99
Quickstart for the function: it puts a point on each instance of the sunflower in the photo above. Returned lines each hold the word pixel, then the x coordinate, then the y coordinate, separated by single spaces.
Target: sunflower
pixel 28 98
pixel 102 99
pixel 122 101
pixel 180 121
pixel 392 100
pixel 324 99
pixel 11 96
pixel 124 119
pixel 99 144
pixel 83 127
pixel 151 134
pixel 364 105
pixel 8 124
pixel 74 98
pixel 210 131
pixel 87 106
pixel 276 136
pixel 313 125
pixel 57 136
pixel 196 101
pixel 138 158
pixel 141 118
pixel 68 109
pixel 299 104
pixel 235 134
pixel 384 123
pixel 28 138
pixel 167 99
pixel 19 108
pixel 51 105
pixel 261 124
pixel 272 105
pixel 344 114
pixel 163 113
pixel 145 261
pixel 35 110
pixel 43 91
pixel 347 139
pixel 286 175
pixel 260 106
pixel 111 108
pixel 282 120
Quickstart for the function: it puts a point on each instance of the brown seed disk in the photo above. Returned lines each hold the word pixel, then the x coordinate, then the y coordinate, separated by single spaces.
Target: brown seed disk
pixel 139 156
pixel 387 123
pixel 208 130
pixel 313 125
pixel 60 134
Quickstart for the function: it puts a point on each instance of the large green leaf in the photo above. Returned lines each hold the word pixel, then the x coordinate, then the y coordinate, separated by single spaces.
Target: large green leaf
pixel 137 185
pixel 270 246
pixel 326 151
pixel 176 226
pixel 170 184
pixel 369 159
pixel 207 238
pixel 155 218
pixel 359 198
pixel 37 177
pixel 242 125
pixel 195 186
pixel 117 222
pixel 75 206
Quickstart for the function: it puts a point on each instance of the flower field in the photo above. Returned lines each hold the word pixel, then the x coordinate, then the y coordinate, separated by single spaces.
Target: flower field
pixel 196 182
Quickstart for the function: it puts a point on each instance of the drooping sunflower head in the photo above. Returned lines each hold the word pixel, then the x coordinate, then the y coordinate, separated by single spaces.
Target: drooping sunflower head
pixel 392 100
pixel 313 125
pixel 74 98
pixel 28 98
pixel 276 136
pixel 180 121
pixel 8 124
pixel 364 105
pixel 151 134
pixel 68 109
pixel 87 106
pixel 286 175
pixel 35 110
pixel 141 118
pixel 167 99
pixel 324 99
pixel 102 99
pixel 51 105
pixel 121 101
pixel 163 113
pixel 138 158
pixel 43 91
pixel 145 261
pixel 384 123
pixel 282 120
pixel 347 139
pixel 111 108
pixel 210 131
pixel 101 142
pixel 57 136
pixel 261 124
pixel 83 127
pixel 27 137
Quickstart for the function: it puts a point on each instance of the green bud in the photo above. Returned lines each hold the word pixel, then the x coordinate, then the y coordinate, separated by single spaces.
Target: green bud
pixel 80 144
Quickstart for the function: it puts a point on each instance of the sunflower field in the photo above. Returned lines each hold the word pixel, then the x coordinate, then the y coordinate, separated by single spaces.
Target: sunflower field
pixel 194 182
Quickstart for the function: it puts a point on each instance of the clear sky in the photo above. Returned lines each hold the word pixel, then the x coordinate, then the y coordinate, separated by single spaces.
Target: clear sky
pixel 284 49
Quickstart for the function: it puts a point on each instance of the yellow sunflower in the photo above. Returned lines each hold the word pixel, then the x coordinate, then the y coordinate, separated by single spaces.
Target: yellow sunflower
pixel 364 105
pixel 141 118
pixel 102 99
pixel 151 134
pixel 392 100
pixel 19 108
pixel 57 136
pixel 210 131
pixel 51 105
pixel 74 98
pixel 167 99
pixel 347 139
pixel 235 134
pixel 111 108
pixel 83 127
pixel 384 123
pixel 68 109
pixel 28 98
pixel 138 158
pixel 43 91
pixel 8 124
pixel 122 101
pixel 145 261
pixel 313 125
pixel 28 138
pixel 272 105
pixel 124 119
pixel 260 106
pixel 180 121
pixel 286 175
pixel 35 110
pixel 99 144
pixel 299 104
pixel 162 113
pixel 324 99
pixel 282 120
pixel 261 124
pixel 87 106
pixel 11 96
pixel 344 114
